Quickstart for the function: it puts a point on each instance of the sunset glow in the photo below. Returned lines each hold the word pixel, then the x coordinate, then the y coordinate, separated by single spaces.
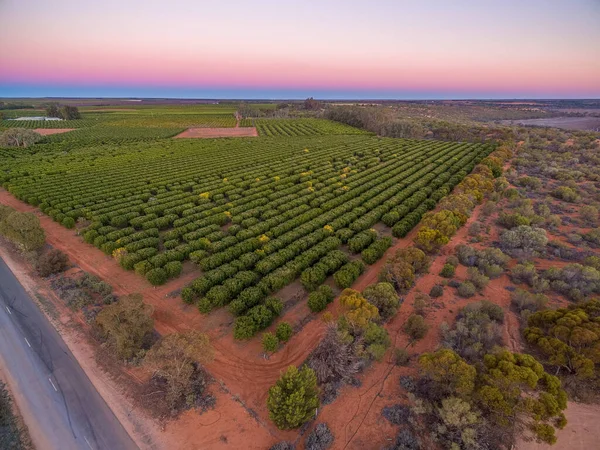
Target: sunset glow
pixel 329 49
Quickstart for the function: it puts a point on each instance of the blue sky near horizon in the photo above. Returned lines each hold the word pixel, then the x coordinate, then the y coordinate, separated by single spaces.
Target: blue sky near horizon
pixel 431 49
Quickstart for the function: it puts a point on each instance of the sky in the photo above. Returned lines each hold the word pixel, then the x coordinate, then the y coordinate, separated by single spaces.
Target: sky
pixel 329 49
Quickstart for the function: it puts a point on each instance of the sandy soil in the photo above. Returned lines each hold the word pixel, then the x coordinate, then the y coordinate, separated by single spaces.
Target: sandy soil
pixel 49 131
pixel 218 132
pixel 581 432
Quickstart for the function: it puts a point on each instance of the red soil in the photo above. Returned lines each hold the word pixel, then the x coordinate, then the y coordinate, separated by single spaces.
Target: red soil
pixel 218 132
pixel 49 131
pixel 580 433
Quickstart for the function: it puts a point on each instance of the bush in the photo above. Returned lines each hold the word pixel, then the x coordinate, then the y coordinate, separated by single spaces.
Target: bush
pixel 467 289
pixel 283 445
pixel 401 357
pixel 68 222
pixel 320 438
pixel 415 327
pixel 319 299
pixel 566 193
pixel 294 399
pixel 173 269
pixel 526 301
pixel 283 331
pixel 397 414
pixel 347 275
pixel 384 297
pixel 270 342
pixel 589 214
pixel 54 261
pixel 188 295
pixel 479 280
pixel 524 238
pixel 447 271
pixel 143 267
pixel 157 277
pixel 436 291
pixel 243 327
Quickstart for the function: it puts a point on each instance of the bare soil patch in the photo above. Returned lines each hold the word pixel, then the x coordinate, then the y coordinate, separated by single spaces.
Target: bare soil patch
pixel 49 131
pixel 581 431
pixel 204 133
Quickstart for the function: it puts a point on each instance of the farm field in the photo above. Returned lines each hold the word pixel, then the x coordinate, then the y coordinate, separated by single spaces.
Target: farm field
pixel 252 215
pixel 299 127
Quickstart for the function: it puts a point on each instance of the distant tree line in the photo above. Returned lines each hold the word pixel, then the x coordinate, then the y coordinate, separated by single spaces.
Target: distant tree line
pixel 65 112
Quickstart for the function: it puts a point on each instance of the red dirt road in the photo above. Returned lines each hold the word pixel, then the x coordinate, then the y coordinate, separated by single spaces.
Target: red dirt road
pixel 205 133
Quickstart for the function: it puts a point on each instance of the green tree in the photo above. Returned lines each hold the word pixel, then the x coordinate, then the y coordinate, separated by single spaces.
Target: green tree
pixel 293 400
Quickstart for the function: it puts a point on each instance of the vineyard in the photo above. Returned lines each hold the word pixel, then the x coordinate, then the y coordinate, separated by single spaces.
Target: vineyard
pixel 298 127
pixel 253 215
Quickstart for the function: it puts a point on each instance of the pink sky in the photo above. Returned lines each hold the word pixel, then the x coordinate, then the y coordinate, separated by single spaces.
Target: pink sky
pixel 534 48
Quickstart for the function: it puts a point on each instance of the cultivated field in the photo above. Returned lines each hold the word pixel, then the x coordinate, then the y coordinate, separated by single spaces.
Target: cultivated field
pixel 252 215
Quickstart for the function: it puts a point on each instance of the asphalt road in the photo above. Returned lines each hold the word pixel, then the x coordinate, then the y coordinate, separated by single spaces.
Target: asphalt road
pixel 60 405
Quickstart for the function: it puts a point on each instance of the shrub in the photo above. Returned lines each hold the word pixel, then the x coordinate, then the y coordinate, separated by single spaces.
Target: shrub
pixel 143 267
pixel 415 327
pixel 54 261
pixel 526 301
pixel 294 399
pixel 347 275
pixel 525 239
pixel 467 289
pixel 270 342
pixel 436 291
pixel 479 280
pixel 188 295
pixel 275 305
pixel 320 438
pixel 283 445
pixel 126 324
pixel 173 269
pixel 319 299
pixel 334 360
pixel 589 214
pixel 384 297
pixel 156 276
pixel 400 357
pixel 244 328
pixel 283 331
pixel 566 193
pixel 377 340
pixel 447 271
pixel 68 222
pixel 397 414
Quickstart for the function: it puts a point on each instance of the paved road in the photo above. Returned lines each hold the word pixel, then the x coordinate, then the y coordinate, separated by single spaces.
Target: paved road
pixel 53 391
